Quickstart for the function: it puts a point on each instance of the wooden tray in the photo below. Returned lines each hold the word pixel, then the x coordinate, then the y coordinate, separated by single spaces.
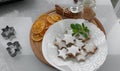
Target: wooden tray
pixel 37 46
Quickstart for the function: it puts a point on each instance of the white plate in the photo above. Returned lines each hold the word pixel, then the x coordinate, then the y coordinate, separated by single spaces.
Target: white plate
pixel 57 30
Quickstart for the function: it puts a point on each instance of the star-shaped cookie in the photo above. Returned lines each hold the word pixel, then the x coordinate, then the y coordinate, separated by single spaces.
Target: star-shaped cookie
pixel 90 47
pixel 59 43
pixel 62 53
pixel 79 43
pixel 81 56
pixel 68 38
pixel 73 50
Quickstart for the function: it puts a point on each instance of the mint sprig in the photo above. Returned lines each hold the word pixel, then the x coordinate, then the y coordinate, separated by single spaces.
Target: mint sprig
pixel 78 29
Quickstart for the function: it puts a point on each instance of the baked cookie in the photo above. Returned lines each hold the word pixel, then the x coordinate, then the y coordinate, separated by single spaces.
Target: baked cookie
pixel 50 20
pixel 81 56
pixel 36 37
pixel 38 26
pixel 56 17
pixel 79 43
pixel 62 53
pixel 90 48
pixel 73 51
pixel 68 39
pixel 44 17
pixel 59 43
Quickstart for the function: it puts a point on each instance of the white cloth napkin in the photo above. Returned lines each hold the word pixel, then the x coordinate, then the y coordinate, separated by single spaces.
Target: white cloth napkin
pixel 22 27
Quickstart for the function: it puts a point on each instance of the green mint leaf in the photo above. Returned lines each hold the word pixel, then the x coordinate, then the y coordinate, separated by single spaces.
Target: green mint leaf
pixel 72 26
pixel 83 25
pixel 84 34
pixel 78 29
pixel 75 30
pixel 77 26
pixel 86 29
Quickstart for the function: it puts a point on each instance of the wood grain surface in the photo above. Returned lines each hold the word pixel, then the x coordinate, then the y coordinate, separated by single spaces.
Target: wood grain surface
pixel 37 46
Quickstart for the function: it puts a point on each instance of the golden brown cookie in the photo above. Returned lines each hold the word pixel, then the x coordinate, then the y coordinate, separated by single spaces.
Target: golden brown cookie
pixel 36 37
pixel 43 32
pixel 44 16
pixel 50 20
pixel 38 26
pixel 42 24
pixel 56 17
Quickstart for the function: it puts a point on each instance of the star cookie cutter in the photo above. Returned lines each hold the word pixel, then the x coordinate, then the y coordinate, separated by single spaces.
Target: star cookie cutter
pixel 8 33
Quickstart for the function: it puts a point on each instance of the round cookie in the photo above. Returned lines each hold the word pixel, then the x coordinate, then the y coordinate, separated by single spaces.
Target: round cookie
pixel 36 37
pixel 50 20
pixel 56 17
pixel 38 26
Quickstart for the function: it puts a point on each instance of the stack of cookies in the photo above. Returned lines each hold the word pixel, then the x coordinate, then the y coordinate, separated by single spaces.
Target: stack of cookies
pixel 42 24
pixel 72 47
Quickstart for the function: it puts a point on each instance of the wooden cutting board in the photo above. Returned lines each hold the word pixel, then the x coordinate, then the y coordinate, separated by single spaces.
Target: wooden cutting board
pixel 37 46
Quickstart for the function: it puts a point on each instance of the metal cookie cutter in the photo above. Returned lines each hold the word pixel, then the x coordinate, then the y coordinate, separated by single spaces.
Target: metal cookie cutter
pixel 13 48
pixel 8 33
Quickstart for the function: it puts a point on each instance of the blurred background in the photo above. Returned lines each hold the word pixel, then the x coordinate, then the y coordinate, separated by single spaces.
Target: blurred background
pixel 19 5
